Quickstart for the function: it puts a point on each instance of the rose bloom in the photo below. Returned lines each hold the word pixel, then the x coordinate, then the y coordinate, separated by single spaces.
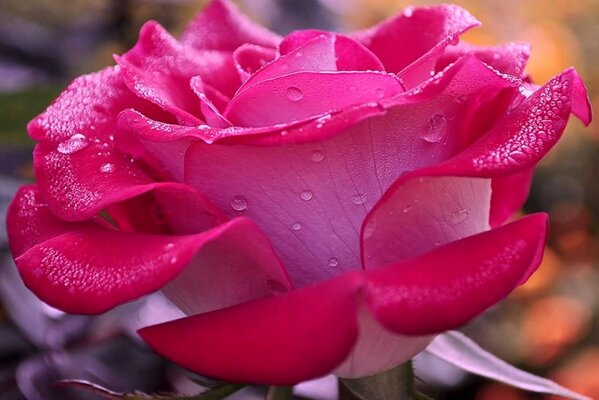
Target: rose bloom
pixel 316 203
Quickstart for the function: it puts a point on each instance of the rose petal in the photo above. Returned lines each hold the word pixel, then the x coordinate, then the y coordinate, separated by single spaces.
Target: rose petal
pixel 378 349
pixel 351 55
pixel 220 26
pixel 456 349
pixel 249 58
pixel 304 94
pixel 447 287
pixel 211 113
pixel 158 69
pixel 280 340
pixel 508 195
pixel 311 197
pixel 400 45
pixel 75 162
pixel 422 214
pixel 521 139
pixel 316 55
pixel 509 58
pixel 29 221
pixel 66 264
pixel 307 332
pixel 513 146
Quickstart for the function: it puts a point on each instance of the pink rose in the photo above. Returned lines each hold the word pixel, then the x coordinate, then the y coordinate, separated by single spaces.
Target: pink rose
pixel 315 203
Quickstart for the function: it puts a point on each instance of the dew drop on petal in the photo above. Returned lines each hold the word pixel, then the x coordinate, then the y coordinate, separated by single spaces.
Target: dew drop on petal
pixel 294 94
pixel 306 195
pixel 359 199
pixel 296 226
pixel 435 129
pixel 107 168
pixel 333 262
pixel 317 156
pixel 459 216
pixel 239 203
pixel 73 144
pixel 407 208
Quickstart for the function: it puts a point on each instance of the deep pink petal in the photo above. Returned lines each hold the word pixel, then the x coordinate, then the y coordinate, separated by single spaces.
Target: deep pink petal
pixel 508 195
pixel 524 136
pixel 29 221
pixel 447 287
pixel 509 58
pixel 158 68
pixel 220 26
pixel 304 94
pixel 76 162
pixel 249 58
pixel 309 332
pixel 402 47
pixel 280 340
pixel 90 270
pixel 512 147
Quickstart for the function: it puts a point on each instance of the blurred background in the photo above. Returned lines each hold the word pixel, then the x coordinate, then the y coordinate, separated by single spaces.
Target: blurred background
pixel 550 326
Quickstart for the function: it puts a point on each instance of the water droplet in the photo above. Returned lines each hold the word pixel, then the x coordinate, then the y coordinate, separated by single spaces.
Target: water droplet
pixel 107 168
pixel 435 129
pixel 169 246
pixel 333 262
pixel 317 156
pixel 294 94
pixel 239 203
pixel 174 259
pixel 296 226
pixel 284 132
pixel 408 12
pixel 359 199
pixel 407 208
pixel 457 217
pixel 73 144
pixel 306 195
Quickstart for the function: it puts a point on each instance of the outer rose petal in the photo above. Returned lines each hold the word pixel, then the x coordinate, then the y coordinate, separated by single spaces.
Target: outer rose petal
pixel 75 163
pixel 400 45
pixel 308 332
pixel 29 221
pixel 280 340
pixel 512 147
pixel 67 265
pixel 422 214
pixel 220 26
pixel 445 288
